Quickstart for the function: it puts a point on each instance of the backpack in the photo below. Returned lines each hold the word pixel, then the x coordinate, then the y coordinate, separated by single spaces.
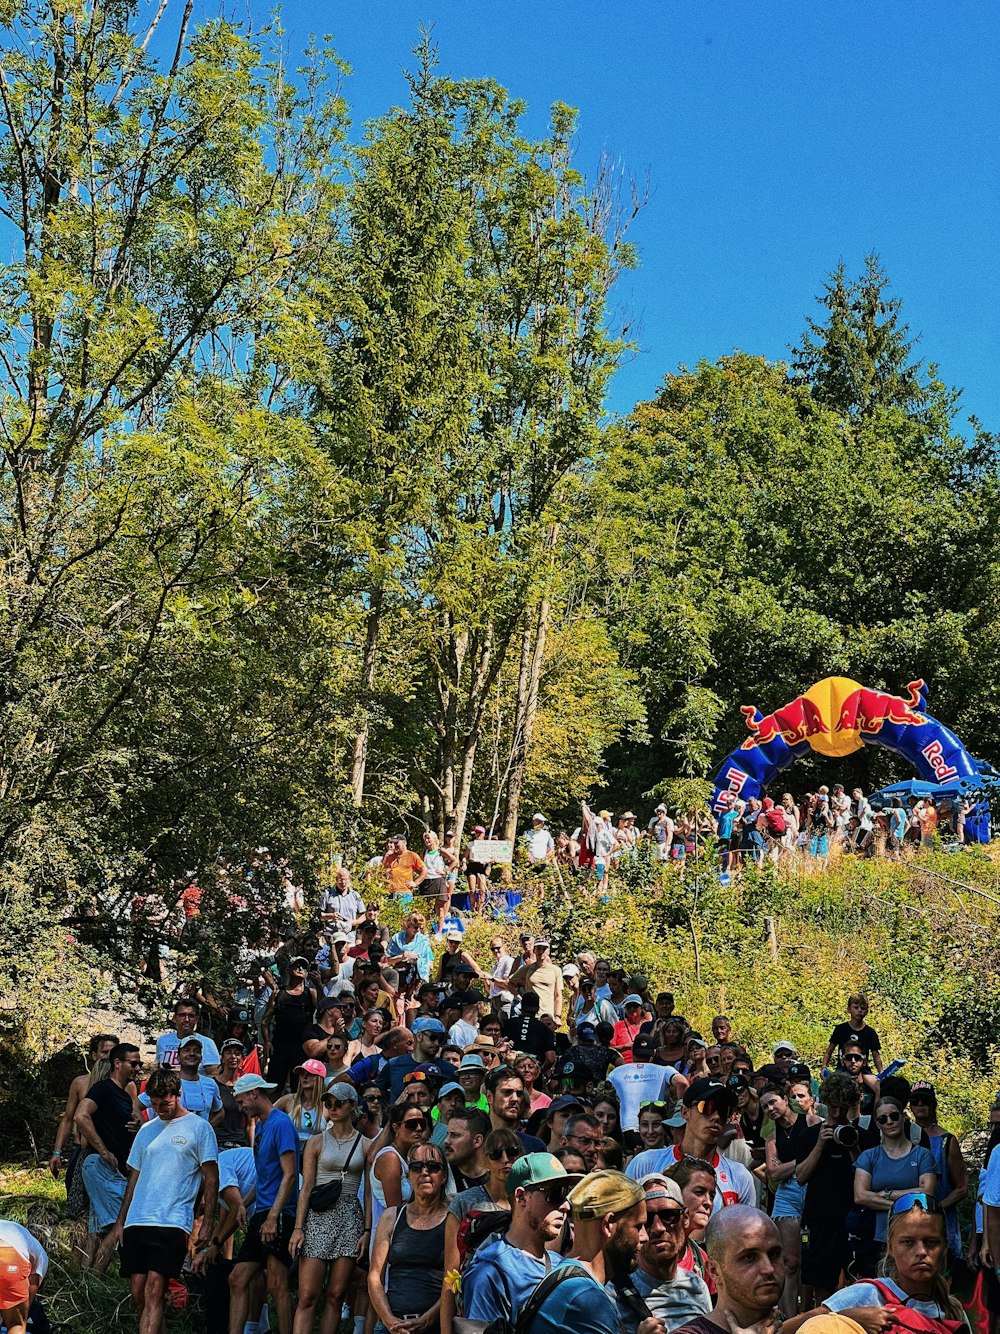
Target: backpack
pixel 775 820
pixel 503 1325
pixel 476 1227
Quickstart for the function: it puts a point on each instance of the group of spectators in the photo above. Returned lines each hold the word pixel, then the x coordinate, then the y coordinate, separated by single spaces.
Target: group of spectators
pixel 423 1141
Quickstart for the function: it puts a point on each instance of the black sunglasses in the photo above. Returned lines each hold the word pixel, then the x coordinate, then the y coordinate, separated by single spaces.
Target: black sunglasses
pixel 887 1118
pixel 553 1195
pixel 494 1155
pixel 426 1165
pixel 414 1123
pixel 668 1217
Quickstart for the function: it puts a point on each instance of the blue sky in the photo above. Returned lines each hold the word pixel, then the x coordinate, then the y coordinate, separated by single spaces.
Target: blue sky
pixel 779 138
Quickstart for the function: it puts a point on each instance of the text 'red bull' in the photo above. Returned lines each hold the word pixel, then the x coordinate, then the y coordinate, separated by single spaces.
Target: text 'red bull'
pixel 794 723
pixel 867 710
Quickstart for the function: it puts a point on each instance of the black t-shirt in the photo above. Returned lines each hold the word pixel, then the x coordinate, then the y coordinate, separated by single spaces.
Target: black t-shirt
pixel 866 1037
pixel 529 1034
pixel 462 1182
pixel 786 1139
pixel 830 1189
pixel 595 1058
pixel 114 1111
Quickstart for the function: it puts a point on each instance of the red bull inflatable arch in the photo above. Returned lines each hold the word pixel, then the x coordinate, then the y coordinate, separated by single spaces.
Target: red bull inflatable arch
pixel 836 717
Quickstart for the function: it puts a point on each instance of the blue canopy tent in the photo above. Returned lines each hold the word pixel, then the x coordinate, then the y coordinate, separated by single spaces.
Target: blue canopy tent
pixel 977 821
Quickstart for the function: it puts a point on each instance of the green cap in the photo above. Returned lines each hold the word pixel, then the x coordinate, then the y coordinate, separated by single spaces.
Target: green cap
pixel 538 1169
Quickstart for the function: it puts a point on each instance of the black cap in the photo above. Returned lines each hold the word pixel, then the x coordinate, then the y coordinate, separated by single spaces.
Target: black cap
pixel 574 1070
pixel 708 1090
pixel 644 1045
pixel 239 1014
pixel 370 926
pixel 327 1003
pixel 529 1002
pixel 561 1103
pixel 737 1083
pixel 799 1070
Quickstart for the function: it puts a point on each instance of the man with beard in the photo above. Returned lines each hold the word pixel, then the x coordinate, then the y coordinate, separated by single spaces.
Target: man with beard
pixel 609 1220
pixel 745 1260
pixel 668 1291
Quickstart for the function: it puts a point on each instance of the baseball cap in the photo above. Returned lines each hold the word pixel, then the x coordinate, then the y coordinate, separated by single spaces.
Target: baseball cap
pixel 541 943
pixel 428 1024
pixel 632 999
pixel 370 926
pixel 638 982
pixel 239 1014
pixel 572 1069
pixel 644 1045
pixel 675 1122
pixel 342 938
pixel 561 1103
pixel 657 1187
pixel 661 809
pixel 922 1087
pixel 538 816
pixel 250 1083
pixel 784 1046
pixel 328 1003
pixel 708 1090
pixel 570 970
pixel 300 959
pixel 479 829
pixel 311 1067
pixel 698 1042
pixel 427 1070
pixel 455 936
pixel 343 1092
pixel 538 1169
pixel 799 1070
pixel 463 998
pixel 231 1043
pixel 586 1032
pixel 604 1192
pixel 186 1042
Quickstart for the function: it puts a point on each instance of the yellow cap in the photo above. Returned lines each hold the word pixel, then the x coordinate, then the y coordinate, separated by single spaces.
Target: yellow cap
pixel 604 1192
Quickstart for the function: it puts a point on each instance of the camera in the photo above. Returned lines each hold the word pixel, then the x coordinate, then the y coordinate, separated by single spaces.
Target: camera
pixel 845 1136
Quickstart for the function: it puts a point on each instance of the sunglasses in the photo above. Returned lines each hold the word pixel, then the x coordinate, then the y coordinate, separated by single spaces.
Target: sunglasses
pixel 431 1168
pixel 916 1199
pixel 708 1106
pixel 374 1101
pixel 553 1195
pixel 496 948
pixel 494 1155
pixel 660 1107
pixel 888 1118
pixel 698 1162
pixel 414 1123
pixel 669 1218
pixel 853 1056
pixel 415 1077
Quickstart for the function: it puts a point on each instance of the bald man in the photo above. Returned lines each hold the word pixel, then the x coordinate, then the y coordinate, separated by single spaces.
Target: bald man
pixel 744 1258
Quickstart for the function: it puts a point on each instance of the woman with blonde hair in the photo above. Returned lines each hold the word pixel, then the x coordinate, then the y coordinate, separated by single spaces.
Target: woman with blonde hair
pixel 305 1105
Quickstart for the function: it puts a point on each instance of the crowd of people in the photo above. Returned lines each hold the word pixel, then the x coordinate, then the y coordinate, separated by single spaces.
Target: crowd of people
pixel 421 1140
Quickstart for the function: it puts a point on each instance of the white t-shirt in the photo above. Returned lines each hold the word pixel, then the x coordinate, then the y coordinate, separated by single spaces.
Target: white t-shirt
pixel 734 1182
pixel 502 969
pixel 866 1294
pixel 539 844
pixel 168 1156
pixel 463 1034
pixel 19 1239
pixel 166 1050
pixel 639 1082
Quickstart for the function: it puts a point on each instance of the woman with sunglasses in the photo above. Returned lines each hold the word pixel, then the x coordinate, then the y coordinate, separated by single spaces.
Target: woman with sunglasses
pixel 305 1105
pixel 894 1168
pixel 410 1243
pixel 331 1241
pixel 371 1108
pixel 288 1014
pixel 502 1148
pixel 780 1150
pixel 406 1126
pixel 372 1025
pixel 914 1294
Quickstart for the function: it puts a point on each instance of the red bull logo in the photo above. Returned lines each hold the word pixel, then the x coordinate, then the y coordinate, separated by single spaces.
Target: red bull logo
pixel 934 755
pixel 868 711
pixel 794 723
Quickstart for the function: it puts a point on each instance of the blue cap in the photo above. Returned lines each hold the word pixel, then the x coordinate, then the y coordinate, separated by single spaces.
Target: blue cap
pixel 451 1088
pixel 428 1024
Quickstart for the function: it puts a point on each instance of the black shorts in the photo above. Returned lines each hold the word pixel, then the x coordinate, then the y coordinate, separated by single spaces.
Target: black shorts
pixel 255 1251
pixel 991 1291
pixel 825 1254
pixel 153 1250
pixel 434 887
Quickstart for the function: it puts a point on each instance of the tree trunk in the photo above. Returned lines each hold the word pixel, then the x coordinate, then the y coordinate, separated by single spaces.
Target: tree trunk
pixel 359 758
pixel 525 710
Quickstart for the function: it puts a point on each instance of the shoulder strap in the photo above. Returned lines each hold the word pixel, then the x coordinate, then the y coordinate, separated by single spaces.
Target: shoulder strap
pixel 343 1170
pixel 551 1281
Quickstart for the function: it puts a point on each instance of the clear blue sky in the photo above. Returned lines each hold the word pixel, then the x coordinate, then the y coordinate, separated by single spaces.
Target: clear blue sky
pixel 779 138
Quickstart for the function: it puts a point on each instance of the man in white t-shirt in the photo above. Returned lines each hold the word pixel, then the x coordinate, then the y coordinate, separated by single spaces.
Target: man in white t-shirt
pixel 501 969
pixel 708 1104
pixel 538 841
pixel 186 1026
pixel 640 1081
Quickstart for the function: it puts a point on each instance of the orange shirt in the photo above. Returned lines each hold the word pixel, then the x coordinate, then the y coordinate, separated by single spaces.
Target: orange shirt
pixel 401 867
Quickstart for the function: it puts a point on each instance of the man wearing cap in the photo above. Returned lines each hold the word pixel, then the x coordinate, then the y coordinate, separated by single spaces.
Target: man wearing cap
pixel 661 830
pixel 641 1081
pixel 265 1246
pixel 674 1294
pixel 428 1037
pixel 465 1030
pixel 506 1268
pixel 590 1007
pixel 501 967
pixel 707 1105
pixel 745 1261
pixel 401 867
pixel 538 842
pixel 527 1033
pixel 450 1099
pixel 342 907
pixel 609 1226
pixel 587 1051
pixel 471 1074
pixel 199 1094
pixel 541 976
pixel 329 1019
pixel 185 1026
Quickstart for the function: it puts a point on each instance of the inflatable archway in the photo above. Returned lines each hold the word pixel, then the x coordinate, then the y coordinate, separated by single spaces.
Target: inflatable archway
pixel 836 717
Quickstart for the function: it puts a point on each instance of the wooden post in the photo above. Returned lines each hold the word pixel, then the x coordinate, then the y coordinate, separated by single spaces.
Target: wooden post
pixel 772 938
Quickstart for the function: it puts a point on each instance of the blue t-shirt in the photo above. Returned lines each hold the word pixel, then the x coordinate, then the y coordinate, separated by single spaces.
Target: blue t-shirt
pixel 168 1155
pixel 726 822
pixel 894 1174
pixel 500 1278
pixel 866 1294
pixel 580 1304
pixel 237 1168
pixel 274 1137
pixel 390 1076
pixel 200 1096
